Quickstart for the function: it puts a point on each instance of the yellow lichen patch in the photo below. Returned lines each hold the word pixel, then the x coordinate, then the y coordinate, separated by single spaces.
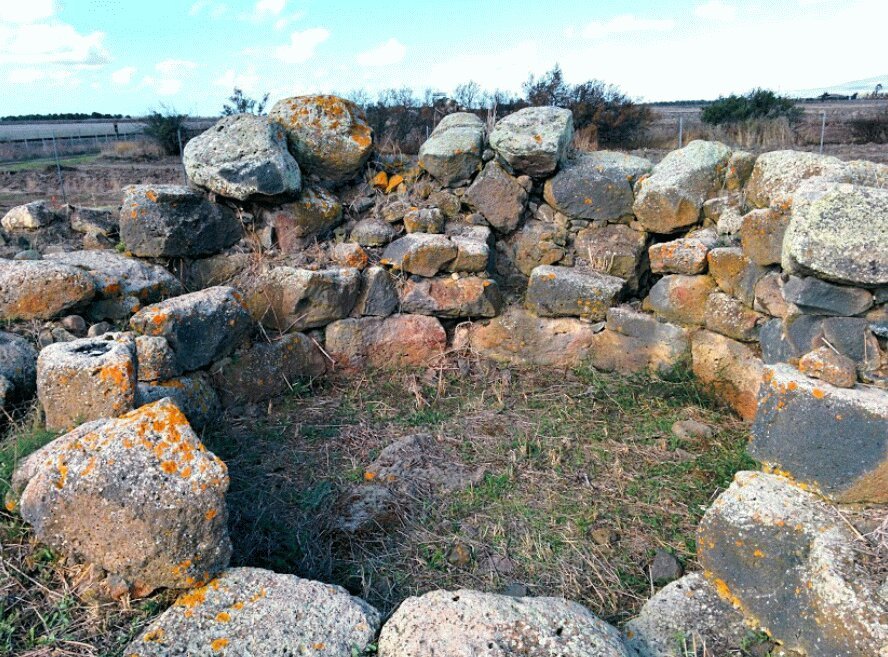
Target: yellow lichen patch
pixel 212 513
pixel 153 636
pixel 380 180
pixel 758 554
pixel 319 646
pixel 237 606
pixel 818 393
pixel 393 183
pixel 169 467
pixel 151 195
pixel 369 476
pixel 258 595
pixel 193 598
pixel 219 644
pixel 223 617
pixel 10 505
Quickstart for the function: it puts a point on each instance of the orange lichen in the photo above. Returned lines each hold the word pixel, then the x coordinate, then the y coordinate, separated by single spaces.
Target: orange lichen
pixel 369 476
pixel 218 644
pixel 153 636
pixel 151 195
pixel 223 617
pixel 380 180
pixel 212 513
pixel 319 646
pixel 818 393
pixel 169 467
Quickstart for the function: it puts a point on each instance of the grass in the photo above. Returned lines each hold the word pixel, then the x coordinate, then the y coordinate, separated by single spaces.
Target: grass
pixel 44 162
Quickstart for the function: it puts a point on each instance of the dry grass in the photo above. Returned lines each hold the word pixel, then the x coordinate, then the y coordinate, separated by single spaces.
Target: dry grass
pixel 132 150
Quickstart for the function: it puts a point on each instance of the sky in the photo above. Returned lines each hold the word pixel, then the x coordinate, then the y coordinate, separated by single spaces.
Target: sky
pixel 131 56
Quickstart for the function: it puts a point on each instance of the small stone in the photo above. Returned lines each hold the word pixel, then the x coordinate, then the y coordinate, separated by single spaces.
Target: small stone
pixel 726 315
pixel 730 368
pixel 470 296
pixel 349 254
pixel 665 568
pixel 157 360
pixel 825 364
pixel 686 255
pixel 420 253
pixel 499 197
pixel 378 296
pixel 100 328
pixel 315 213
pixel 75 324
pixel 681 299
pixel 425 220
pixel 692 430
pixel 572 291
pixel 28 217
pixel 761 234
pixel 373 232
pixel 387 343
pixel 460 555
pixel 603 536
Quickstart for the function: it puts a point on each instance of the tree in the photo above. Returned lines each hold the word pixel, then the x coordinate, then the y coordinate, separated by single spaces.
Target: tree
pixel 238 103
pixel 165 126
pixel 467 94
pixel 549 89
pixel 757 104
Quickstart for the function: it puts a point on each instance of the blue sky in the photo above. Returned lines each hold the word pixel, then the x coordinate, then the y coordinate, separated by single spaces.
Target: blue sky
pixel 129 56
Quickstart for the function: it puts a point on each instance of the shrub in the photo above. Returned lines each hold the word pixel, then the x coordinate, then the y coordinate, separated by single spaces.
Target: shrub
pixel 757 104
pixel 164 127
pixel 872 129
pixel 238 103
pixel 131 150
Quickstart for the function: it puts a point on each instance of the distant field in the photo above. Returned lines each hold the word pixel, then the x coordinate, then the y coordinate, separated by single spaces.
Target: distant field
pixel 73 129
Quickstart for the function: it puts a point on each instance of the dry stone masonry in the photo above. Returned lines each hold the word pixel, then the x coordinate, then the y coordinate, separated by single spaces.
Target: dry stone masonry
pixel 297 250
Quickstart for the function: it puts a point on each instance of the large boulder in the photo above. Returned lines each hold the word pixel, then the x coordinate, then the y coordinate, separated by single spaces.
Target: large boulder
pixel 585 188
pixel 572 292
pixel 672 196
pixel 469 296
pixel 257 613
pixel 122 284
pixel 452 153
pixel 839 232
pixel 170 221
pixel 316 212
pixel 499 197
pixel 761 233
pixel 386 343
pixel 521 338
pixel 201 326
pixel 18 369
pixel 138 497
pixel 474 623
pixel 87 379
pixel 730 368
pixel 328 136
pixel 634 341
pixel 243 156
pixel 31 216
pixel 41 289
pixel 287 298
pixel 776 176
pixel 533 141
pixel 834 440
pixel 629 167
pixel 423 254
pixel 264 370
pixel 787 560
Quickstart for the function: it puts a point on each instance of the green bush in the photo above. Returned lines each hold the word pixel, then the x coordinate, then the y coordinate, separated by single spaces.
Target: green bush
pixel 757 104
pixel 239 103
pixel 872 129
pixel 164 127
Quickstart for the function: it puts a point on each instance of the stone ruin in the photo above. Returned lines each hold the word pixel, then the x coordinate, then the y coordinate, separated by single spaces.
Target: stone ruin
pixel 298 250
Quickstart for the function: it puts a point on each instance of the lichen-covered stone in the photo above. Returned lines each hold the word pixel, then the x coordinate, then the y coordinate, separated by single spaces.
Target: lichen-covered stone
pixel 614 249
pixel 216 270
pixel 533 140
pixel 378 297
pixel 242 156
pixel 41 289
pixel 386 343
pixel 585 188
pixel 373 232
pixel 170 221
pixel 452 153
pixel 264 370
pixel 832 439
pixel 634 342
pixel 629 167
pixel 86 379
pixel 776 175
pixel 422 254
pixel 31 216
pixel 572 292
pixel 472 247
pixel 18 369
pixel 316 212
pixel 469 296
pixel 349 254
pixel 761 233
pixel 769 297
pixel 686 255
pixel 830 366
pixel 156 358
pixel 193 395
pixel 474 623
pixel 739 169
pixel 730 368
pixel 734 273
pixel 681 299
pixel 424 220
pixel 257 613
pixel 537 243
pixel 96 222
pixel 286 298
pixel 138 497
pixel 726 315
pixel 672 196
pixel 328 136
pixel 816 297
pixel 499 197
pixel 201 326
pixel 787 560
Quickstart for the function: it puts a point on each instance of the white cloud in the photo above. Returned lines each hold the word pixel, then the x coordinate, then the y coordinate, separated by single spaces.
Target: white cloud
pixel 213 9
pixel 302 45
pixel 269 8
pixel 171 76
pixel 385 54
pixel 123 76
pixel 716 10
pixel 51 43
pixel 55 77
pixel 32 11
pixel 247 81
pixel 624 24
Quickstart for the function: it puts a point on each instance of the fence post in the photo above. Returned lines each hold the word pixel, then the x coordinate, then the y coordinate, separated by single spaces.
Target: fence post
pixel 55 151
pixel 182 154
pixel 680 130
pixel 822 129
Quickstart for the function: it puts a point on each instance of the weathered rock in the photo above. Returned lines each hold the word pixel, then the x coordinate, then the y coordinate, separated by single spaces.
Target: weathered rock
pixel 452 153
pixel 686 255
pixel 32 216
pixel 122 284
pixel 672 196
pixel 739 169
pixel 168 221
pixel 731 368
pixel 472 250
pixel 734 273
pixel 665 568
pixel 499 197
pixel 815 297
pixel 691 430
pixel 839 232
pixel 585 188
pixel 193 395
pixel 769 297
pixel 349 254
pixel 264 370
pixel 852 337
pixel 761 234
pixel 328 136
pixel 138 497
pixel 378 296
pixel 521 338
pixel 615 249
pixel 18 369
pixel 473 623
pixel 786 340
pixel 373 232
pixel 386 343
pixel 422 254
pixel 215 270
pixel 101 222
pixel 425 220
pixel 316 212
pixel 832 439
pixel 681 299
pixel 686 613
pixel 827 365
pixel 156 358
pixel 41 289
pixel 787 560
pixel 572 292
pixel 249 611
pixel 726 315
pixel 201 326
pixel 628 167
pixel 87 379
pixel 469 296
pixel 534 140
pixel 536 244
pixel 634 342
pixel 286 298
pixel 242 156
pixel 776 176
